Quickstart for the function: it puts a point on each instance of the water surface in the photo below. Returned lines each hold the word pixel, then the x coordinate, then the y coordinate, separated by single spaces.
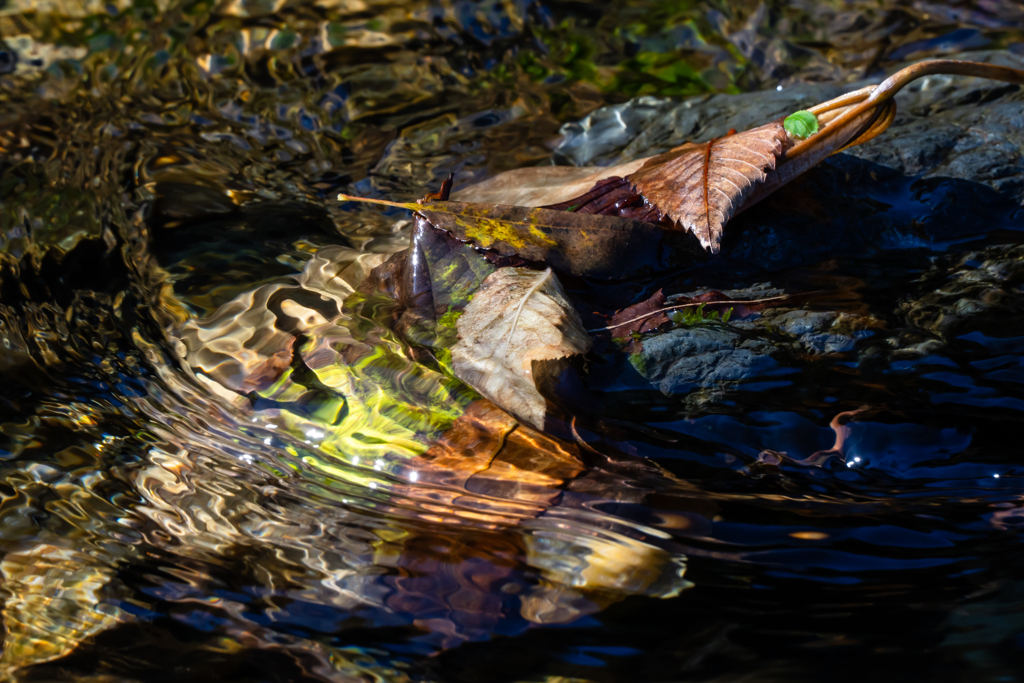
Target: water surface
pixel 163 160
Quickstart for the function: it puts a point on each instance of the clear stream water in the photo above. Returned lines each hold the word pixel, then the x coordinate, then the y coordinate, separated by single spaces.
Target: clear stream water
pixel 159 161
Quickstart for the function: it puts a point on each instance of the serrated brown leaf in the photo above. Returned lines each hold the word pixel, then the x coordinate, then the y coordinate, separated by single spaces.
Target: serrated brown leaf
pixel 701 186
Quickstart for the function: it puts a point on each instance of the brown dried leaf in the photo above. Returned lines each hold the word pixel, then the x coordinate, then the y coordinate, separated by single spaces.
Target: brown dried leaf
pixel 590 245
pixel 632 319
pixel 516 317
pixel 701 186
pixel 504 459
pixel 541 185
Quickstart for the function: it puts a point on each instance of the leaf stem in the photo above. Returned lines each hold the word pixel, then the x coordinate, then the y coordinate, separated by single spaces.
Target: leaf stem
pixel 368 200
pixel 842 101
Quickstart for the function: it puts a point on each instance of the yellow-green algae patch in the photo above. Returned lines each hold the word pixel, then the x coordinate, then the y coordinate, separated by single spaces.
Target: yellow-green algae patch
pixel 485 232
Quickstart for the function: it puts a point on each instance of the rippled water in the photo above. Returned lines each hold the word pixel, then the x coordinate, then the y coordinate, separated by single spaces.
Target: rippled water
pixel 216 466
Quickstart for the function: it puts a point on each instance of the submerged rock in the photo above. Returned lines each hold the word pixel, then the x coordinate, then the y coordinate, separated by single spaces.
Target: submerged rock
pixel 979 291
pixel 718 356
pixel 683 359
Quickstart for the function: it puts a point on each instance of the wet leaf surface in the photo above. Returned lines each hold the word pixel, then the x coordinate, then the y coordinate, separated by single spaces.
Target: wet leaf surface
pixel 604 247
pixel 517 317
pixel 641 317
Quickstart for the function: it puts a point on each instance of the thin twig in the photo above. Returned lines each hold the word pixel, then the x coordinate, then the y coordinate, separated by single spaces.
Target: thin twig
pixel 692 304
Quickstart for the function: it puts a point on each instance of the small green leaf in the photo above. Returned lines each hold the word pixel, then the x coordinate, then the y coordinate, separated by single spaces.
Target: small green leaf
pixel 801 124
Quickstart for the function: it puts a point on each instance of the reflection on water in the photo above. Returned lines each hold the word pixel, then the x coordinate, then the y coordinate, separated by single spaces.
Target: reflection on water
pixel 222 459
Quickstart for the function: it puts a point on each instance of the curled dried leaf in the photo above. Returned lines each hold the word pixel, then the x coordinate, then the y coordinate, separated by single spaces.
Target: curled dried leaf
pixel 702 186
pixel 646 316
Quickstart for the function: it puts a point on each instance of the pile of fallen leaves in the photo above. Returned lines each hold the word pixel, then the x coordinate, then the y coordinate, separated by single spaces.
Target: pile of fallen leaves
pixel 480 282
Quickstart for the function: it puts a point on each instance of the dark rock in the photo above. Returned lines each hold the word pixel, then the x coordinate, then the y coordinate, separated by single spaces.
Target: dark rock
pixel 978 291
pixel 803 322
pixel 683 359
pixel 650 125
pixel 722 356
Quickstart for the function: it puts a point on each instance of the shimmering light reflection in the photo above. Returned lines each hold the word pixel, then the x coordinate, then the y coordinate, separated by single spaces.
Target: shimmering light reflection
pixel 176 282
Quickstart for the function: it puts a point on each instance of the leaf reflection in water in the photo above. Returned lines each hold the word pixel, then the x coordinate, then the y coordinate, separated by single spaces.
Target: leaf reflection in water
pixel 312 454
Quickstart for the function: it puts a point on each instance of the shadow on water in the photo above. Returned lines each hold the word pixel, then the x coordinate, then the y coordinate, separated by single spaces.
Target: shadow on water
pixel 220 460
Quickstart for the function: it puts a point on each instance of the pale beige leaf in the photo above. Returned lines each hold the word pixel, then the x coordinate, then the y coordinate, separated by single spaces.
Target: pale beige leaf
pixel 516 317
pixel 541 185
pixel 702 186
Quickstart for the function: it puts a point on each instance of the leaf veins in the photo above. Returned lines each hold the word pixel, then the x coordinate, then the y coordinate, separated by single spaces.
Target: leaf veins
pixel 702 186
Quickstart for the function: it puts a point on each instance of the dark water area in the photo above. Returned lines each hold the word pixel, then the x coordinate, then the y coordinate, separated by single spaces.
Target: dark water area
pixel 215 466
